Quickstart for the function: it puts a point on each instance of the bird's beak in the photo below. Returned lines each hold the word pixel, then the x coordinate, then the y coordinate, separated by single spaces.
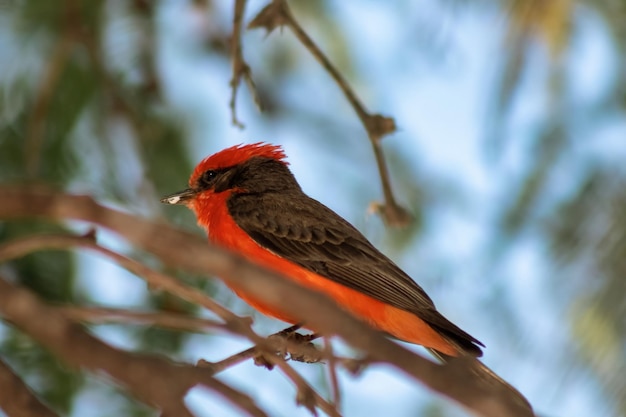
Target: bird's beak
pixel 180 197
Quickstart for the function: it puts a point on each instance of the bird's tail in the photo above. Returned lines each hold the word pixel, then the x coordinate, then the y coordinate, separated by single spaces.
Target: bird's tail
pixel 490 379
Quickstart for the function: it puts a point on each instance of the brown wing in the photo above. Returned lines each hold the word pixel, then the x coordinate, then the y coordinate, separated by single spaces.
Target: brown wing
pixel 311 235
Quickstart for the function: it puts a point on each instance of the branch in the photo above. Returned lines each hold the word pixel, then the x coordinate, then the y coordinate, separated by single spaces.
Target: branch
pixel 277 14
pixel 461 380
pixel 279 343
pixel 101 315
pixel 239 65
pixel 49 80
pixel 266 348
pixel 271 352
pixel 152 379
pixel 306 395
pixel 332 372
pixel 155 279
pixel 17 399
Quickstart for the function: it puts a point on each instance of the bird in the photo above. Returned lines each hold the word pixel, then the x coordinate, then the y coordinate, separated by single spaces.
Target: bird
pixel 248 201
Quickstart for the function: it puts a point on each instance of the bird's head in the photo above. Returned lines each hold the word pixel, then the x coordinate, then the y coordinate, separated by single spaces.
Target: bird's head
pixel 255 168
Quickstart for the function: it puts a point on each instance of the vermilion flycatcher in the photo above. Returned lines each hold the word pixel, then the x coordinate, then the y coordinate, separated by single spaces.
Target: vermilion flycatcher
pixel 248 201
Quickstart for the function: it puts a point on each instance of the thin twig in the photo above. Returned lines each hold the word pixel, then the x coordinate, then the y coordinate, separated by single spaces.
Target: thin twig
pixel 23 246
pixel 355 365
pixel 151 84
pixel 306 395
pixel 294 346
pixel 52 73
pixel 299 351
pixel 239 66
pixel 101 315
pixel 152 379
pixel 332 372
pixel 462 380
pixel 277 14
pixel 229 362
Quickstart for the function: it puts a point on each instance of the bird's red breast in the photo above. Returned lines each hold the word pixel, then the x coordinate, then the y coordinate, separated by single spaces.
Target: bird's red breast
pixel 249 202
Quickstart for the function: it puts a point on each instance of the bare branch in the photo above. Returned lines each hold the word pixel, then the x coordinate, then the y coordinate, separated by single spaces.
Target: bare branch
pixel 461 380
pixel 355 365
pixel 239 65
pixel 50 77
pixel 297 350
pixel 101 315
pixel 277 14
pixel 155 279
pixel 294 346
pixel 16 398
pixel 152 379
pixel 266 348
pixel 332 372
pixel 272 353
pixel 306 395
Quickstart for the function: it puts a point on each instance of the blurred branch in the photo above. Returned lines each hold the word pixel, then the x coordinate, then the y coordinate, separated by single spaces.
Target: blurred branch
pixel 292 346
pixel 277 14
pixel 332 371
pixel 51 74
pixel 265 348
pixel 16 398
pixel 151 85
pixel 155 279
pixel 152 379
pixel 461 380
pixel 240 67
pixel 101 315
pixel 306 395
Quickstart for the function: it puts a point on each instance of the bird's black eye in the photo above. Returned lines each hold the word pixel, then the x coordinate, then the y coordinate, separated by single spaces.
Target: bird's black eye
pixel 208 178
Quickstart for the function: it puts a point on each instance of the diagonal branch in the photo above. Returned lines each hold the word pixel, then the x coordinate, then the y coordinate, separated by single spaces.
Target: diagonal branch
pixel 152 379
pixel 298 351
pixel 332 372
pixel 17 399
pixel 277 14
pixel 264 347
pixel 155 279
pixel 461 380
pixel 174 321
pixel 239 66
pixel 56 63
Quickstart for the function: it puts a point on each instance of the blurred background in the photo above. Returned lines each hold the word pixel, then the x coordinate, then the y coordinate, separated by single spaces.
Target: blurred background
pixel 510 154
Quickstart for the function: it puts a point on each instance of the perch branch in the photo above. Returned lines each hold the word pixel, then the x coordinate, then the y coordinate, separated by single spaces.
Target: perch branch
pixel 459 379
pixel 332 372
pixel 50 78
